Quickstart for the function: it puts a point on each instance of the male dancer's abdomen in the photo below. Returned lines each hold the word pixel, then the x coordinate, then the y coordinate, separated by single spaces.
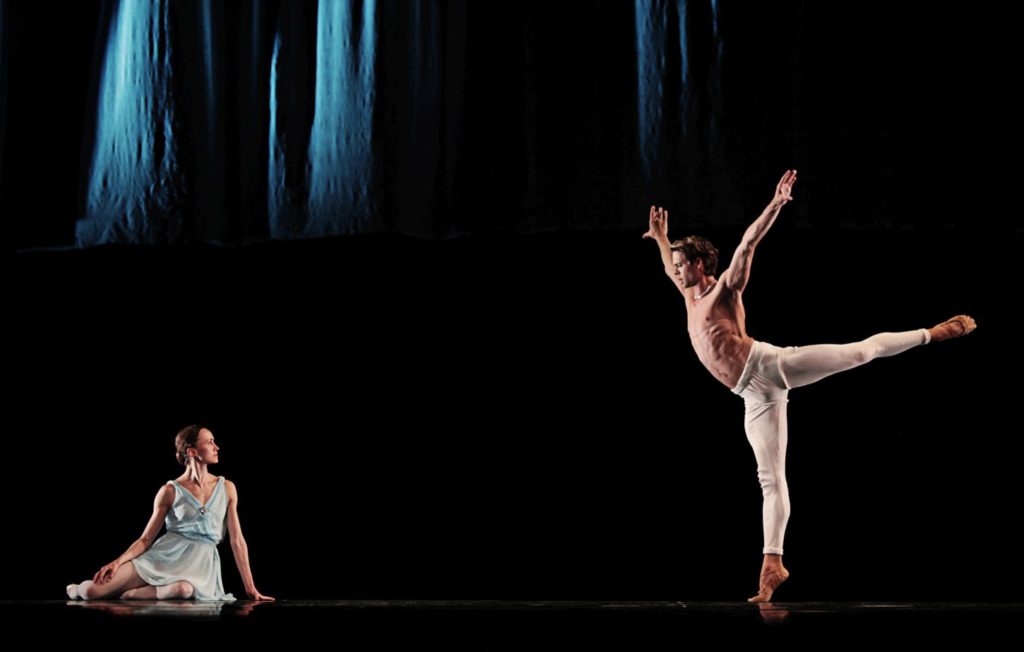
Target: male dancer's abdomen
pixel 724 354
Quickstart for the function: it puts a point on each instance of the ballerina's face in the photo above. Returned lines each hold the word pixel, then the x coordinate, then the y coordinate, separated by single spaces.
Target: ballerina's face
pixel 207 450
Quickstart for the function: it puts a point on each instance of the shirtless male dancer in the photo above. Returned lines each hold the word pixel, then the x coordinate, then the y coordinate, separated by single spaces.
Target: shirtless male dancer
pixel 763 374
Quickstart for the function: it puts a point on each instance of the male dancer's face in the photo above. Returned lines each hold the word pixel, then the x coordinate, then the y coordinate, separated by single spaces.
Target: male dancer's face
pixel 691 272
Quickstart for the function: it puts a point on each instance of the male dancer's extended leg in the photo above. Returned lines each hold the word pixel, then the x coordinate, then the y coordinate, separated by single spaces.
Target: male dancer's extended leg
pixel 803 365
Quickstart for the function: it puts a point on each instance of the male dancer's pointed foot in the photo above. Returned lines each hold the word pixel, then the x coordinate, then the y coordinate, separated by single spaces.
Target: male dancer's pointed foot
pixel 953 327
pixel 770 580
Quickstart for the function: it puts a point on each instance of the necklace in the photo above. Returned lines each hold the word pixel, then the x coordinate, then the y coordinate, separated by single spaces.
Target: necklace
pixel 706 291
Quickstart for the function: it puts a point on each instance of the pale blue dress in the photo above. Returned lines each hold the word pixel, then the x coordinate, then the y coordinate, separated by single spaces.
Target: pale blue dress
pixel 188 550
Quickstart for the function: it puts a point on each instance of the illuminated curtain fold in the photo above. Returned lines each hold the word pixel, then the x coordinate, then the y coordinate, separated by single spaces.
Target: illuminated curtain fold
pixel 3 83
pixel 232 122
pixel 320 148
pixel 136 190
pixel 678 101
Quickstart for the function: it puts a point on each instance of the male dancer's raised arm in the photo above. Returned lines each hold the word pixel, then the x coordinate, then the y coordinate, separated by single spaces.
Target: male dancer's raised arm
pixel 736 277
pixel 658 231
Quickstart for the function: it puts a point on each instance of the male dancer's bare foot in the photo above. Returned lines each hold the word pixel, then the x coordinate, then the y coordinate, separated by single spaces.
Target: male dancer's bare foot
pixel 772 575
pixel 953 327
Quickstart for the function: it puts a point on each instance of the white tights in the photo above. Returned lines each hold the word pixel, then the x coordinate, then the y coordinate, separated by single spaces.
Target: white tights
pixel 768 376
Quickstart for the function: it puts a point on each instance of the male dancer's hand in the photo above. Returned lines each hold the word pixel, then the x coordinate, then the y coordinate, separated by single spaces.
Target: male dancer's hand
pixel 658 224
pixel 783 192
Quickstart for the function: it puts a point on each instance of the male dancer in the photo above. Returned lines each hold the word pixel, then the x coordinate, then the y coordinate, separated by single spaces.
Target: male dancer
pixel 763 374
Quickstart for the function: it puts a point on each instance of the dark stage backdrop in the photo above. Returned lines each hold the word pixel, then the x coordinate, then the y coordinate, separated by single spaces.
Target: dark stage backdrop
pixel 164 122
pixel 515 411
pixel 514 417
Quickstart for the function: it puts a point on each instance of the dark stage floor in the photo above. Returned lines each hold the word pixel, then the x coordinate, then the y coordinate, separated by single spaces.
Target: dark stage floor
pixel 470 624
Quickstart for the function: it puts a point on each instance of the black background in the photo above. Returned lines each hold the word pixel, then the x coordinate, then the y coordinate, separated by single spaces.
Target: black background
pixel 505 415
